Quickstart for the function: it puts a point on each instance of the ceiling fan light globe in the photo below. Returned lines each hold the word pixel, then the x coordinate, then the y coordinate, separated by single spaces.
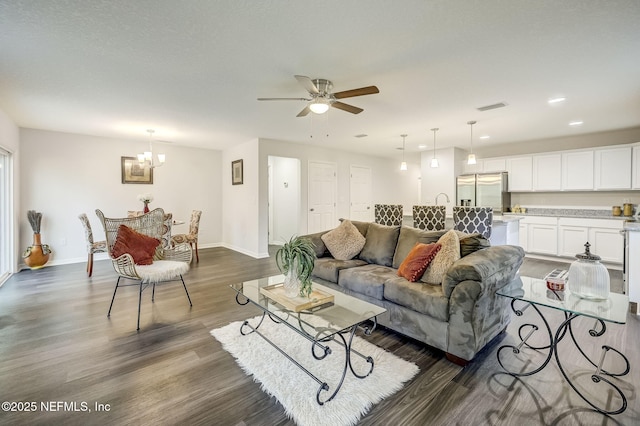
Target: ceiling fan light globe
pixel 319 107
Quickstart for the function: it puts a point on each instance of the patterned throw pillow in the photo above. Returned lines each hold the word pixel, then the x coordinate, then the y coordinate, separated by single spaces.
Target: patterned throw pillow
pixel 345 241
pixel 141 247
pixel 417 261
pixel 448 254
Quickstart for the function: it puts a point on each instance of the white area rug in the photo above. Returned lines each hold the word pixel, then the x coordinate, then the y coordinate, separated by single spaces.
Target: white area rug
pixel 296 391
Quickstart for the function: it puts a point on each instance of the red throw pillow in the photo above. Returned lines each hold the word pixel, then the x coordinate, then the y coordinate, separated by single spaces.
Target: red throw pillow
pixel 417 261
pixel 141 247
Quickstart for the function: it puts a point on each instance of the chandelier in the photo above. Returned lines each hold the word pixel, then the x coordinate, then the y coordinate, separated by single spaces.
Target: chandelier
pixel 147 156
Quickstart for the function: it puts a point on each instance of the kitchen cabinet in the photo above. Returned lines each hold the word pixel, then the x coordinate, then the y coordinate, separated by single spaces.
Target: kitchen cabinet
pixel 635 168
pixel 520 173
pixel 524 237
pixel 547 172
pixel 542 235
pixel 602 234
pixel 494 165
pixel 612 168
pixel 577 170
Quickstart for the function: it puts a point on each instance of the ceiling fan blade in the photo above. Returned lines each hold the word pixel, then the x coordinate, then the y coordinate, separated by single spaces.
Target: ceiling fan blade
pixel 307 84
pixel 284 99
pixel 369 90
pixel 304 112
pixel 346 107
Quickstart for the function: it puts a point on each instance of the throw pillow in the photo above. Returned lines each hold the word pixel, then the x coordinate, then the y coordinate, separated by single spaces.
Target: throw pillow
pixel 344 242
pixel 417 261
pixel 448 254
pixel 141 247
pixel 381 244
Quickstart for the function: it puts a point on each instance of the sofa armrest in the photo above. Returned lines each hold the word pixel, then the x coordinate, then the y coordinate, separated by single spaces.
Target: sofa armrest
pixel 318 245
pixel 492 267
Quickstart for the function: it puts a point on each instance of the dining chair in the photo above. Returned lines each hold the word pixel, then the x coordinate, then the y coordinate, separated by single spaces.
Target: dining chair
pixel 388 214
pixel 192 237
pixel 473 220
pixel 430 218
pixel 137 253
pixel 92 246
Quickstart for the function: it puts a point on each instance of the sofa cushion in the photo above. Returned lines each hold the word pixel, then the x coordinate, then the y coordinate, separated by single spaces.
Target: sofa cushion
pixel 362 226
pixel 368 279
pixel 448 254
pixel 380 245
pixel 426 299
pixel 318 245
pixel 344 242
pixel 470 243
pixel 417 261
pixel 408 238
pixel 327 268
pixel 141 247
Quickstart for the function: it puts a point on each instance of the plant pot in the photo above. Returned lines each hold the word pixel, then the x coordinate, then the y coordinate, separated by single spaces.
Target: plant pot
pixel 37 255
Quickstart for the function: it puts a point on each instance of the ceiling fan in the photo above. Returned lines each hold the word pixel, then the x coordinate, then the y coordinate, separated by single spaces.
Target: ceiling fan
pixel 321 97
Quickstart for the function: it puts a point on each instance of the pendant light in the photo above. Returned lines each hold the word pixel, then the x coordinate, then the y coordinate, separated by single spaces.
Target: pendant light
pixel 434 160
pixel 148 155
pixel 471 159
pixel 403 165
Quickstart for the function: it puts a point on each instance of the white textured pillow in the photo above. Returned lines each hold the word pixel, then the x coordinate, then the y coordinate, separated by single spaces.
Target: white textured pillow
pixel 345 241
pixel 448 254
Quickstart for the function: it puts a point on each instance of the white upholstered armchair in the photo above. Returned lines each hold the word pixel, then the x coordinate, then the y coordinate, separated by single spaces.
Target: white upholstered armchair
pixel 137 257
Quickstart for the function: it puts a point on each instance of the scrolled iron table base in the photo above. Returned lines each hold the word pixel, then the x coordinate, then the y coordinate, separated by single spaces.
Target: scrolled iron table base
pixel 599 376
pixel 317 344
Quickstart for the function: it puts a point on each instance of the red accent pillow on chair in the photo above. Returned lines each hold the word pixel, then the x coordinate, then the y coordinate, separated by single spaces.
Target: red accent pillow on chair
pixel 417 261
pixel 141 247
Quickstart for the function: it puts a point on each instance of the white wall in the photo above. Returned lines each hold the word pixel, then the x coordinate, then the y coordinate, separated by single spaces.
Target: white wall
pixel 10 141
pixel 63 175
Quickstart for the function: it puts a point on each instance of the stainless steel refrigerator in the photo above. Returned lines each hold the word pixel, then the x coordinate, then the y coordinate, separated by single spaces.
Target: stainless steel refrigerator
pixel 484 190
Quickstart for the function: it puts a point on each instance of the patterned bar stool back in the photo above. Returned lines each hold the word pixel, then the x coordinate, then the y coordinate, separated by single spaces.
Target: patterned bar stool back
pixel 388 214
pixel 430 218
pixel 473 220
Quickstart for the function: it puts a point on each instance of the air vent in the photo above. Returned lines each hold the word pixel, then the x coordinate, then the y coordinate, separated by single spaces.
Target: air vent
pixel 494 106
pixel 361 135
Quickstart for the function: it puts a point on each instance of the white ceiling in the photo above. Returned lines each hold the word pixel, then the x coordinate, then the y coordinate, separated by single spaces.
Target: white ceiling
pixel 192 70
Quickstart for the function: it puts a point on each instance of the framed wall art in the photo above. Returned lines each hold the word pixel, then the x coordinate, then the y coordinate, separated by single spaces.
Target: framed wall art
pixel 134 172
pixel 236 172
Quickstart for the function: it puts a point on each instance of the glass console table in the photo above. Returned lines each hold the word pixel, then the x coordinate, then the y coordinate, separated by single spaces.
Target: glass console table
pixel 534 293
pixel 321 324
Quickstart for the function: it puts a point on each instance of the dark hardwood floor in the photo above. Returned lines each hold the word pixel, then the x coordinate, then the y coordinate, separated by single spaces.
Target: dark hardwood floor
pixel 57 346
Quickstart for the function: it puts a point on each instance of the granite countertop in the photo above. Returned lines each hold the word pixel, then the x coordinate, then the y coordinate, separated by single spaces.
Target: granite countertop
pixel 577 213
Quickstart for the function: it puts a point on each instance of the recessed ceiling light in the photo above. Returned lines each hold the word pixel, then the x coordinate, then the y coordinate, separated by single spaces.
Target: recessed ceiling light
pixel 576 123
pixel 422 146
pixel 485 137
pixel 557 100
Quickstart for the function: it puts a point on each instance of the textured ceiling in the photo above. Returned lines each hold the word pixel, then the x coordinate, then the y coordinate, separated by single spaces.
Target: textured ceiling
pixel 192 70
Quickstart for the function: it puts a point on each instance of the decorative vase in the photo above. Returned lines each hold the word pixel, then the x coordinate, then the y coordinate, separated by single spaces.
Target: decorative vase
pixel 292 283
pixel 37 255
pixel 588 278
pixel 146 207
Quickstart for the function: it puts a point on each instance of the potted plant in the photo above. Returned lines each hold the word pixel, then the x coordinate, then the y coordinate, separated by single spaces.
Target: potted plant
pixel 36 255
pixel 295 259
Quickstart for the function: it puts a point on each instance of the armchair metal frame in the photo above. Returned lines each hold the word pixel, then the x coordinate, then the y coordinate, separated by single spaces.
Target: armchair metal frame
pixel 169 263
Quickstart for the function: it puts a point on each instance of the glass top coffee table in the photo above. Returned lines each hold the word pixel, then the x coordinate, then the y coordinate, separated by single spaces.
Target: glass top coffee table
pixel 532 292
pixel 328 315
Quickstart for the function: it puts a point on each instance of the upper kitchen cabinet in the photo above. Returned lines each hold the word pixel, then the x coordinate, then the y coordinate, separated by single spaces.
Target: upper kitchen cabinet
pixel 636 168
pixel 491 165
pixel 612 168
pixel 520 173
pixel 547 172
pixel 577 170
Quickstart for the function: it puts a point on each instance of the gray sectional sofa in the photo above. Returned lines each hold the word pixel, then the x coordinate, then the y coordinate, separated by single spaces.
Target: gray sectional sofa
pixel 459 316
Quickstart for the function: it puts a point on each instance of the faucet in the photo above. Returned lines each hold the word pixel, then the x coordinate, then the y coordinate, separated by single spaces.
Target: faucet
pixel 445 195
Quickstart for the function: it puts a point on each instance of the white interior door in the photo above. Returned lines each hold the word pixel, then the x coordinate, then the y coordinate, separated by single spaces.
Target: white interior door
pixel 361 193
pixel 322 196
